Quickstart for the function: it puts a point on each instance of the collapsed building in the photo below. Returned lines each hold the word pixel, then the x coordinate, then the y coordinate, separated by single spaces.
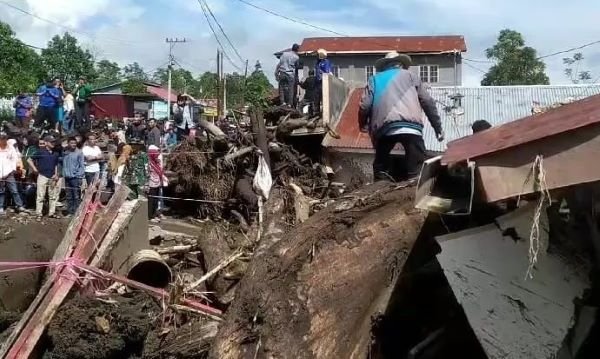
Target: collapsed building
pixel 492 254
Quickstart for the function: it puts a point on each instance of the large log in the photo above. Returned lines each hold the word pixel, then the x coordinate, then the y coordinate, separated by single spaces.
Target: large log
pixel 314 293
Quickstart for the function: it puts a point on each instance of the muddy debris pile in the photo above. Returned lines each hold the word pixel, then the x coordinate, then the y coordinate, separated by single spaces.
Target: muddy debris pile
pixel 217 167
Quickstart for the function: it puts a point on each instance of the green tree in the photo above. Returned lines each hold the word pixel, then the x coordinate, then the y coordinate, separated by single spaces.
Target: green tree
pixel 134 86
pixel 65 59
pixel 135 72
pixel 108 73
pixel 208 85
pixel 20 67
pixel 516 64
pixel 257 87
pixel 182 80
pixel 576 75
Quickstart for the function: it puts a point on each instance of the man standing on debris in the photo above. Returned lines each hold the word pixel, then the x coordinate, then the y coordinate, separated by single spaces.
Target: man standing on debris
pixel 44 163
pixel 289 62
pixel 23 105
pixel 74 171
pixel 391 111
pixel 9 157
pixel 48 101
pixel 93 156
pixel 83 95
pixel 322 67
pixel 183 115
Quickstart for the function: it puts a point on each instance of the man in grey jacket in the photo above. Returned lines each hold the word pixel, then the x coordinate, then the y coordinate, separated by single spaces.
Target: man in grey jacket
pixel 73 171
pixel 391 111
pixel 289 62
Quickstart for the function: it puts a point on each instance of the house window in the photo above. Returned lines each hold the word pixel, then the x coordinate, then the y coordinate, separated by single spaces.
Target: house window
pixel 370 71
pixel 335 70
pixel 429 73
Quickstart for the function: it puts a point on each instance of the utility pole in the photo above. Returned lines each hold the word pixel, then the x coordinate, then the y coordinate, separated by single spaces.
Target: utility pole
pixel 171 42
pixel 219 99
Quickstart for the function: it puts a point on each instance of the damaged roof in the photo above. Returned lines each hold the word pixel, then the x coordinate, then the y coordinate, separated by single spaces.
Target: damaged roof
pixel 554 121
pixel 384 44
pixel 496 104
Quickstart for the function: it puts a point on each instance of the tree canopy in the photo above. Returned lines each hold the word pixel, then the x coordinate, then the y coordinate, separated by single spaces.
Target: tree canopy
pixel 20 66
pixel 516 64
pixel 108 73
pixel 63 58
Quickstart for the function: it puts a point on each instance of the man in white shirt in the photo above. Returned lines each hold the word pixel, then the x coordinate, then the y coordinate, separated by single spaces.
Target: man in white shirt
pixel 69 109
pixel 8 166
pixel 93 155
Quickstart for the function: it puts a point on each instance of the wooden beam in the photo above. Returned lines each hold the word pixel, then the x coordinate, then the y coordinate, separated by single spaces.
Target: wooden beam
pixel 63 251
pixel 88 239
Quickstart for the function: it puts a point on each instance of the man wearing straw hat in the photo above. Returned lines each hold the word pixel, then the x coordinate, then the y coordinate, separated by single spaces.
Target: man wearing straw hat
pixel 391 111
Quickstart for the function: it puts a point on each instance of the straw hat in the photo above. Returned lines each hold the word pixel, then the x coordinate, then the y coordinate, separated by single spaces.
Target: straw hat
pixel 393 58
pixel 322 53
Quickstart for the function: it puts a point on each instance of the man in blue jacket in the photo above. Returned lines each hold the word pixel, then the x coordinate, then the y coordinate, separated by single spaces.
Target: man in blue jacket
pixel 47 109
pixel 391 111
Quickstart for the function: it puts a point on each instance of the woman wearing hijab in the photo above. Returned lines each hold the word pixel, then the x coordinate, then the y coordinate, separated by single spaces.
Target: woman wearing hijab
pixel 156 181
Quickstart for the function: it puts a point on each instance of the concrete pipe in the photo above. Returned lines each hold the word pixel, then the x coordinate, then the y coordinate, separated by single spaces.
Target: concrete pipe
pixel 147 266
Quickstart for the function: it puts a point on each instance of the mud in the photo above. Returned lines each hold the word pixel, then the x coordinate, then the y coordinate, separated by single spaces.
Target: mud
pixel 22 239
pixel 86 328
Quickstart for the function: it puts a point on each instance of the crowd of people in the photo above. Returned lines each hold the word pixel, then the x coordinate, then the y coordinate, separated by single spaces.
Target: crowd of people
pixel 46 165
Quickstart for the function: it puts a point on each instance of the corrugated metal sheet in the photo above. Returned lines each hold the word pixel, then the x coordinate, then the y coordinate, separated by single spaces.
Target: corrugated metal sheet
pixel 162 93
pixel 408 44
pixel 554 121
pixel 496 104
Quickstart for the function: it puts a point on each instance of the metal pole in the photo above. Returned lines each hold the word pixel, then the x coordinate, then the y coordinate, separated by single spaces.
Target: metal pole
pixel 171 43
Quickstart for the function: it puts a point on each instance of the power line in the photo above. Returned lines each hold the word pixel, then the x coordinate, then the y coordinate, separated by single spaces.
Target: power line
pixel 221 28
pixel 212 29
pixel 23 43
pixel 479 61
pixel 570 50
pixel 61 25
pixel 291 19
pixel 476 68
pixel 383 45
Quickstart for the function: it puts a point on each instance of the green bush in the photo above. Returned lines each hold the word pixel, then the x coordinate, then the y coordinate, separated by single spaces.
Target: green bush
pixel 6 114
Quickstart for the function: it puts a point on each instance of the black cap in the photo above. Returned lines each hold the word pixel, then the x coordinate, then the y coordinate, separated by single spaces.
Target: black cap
pixel 295 47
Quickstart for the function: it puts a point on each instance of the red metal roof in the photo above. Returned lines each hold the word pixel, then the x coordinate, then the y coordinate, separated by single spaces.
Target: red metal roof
pixel 162 93
pixel 347 127
pixel 555 121
pixel 404 44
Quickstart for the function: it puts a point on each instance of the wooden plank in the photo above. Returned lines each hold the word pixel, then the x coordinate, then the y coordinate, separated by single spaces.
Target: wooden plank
pixel 568 160
pixel 62 252
pixel 260 133
pixel 63 284
pixel 565 118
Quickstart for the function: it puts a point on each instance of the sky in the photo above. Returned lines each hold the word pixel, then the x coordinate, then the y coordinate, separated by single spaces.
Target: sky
pixel 135 30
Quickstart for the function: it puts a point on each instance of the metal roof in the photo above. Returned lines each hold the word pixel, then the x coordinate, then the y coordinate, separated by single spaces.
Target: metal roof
pixel 496 104
pixel 553 121
pixel 383 44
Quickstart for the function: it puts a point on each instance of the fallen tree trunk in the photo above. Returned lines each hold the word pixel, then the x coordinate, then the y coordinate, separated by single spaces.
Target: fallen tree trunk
pixel 314 293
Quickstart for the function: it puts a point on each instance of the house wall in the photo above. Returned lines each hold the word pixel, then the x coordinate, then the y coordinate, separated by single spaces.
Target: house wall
pixel 113 106
pixel 353 67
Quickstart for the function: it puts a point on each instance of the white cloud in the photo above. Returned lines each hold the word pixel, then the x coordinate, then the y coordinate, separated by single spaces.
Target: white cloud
pixel 134 30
